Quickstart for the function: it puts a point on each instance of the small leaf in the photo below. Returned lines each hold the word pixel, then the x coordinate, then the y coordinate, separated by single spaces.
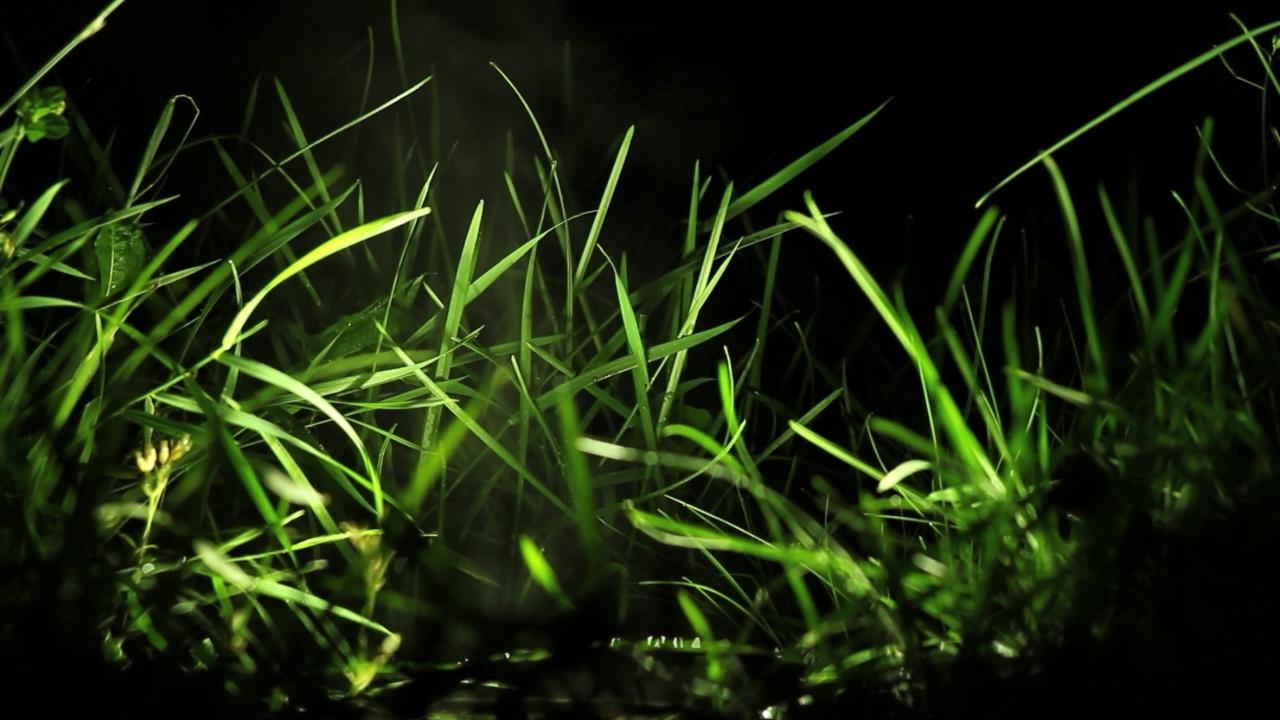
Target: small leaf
pixel 120 253
pixel 54 127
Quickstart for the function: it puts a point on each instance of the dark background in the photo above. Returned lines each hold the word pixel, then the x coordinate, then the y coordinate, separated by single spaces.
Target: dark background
pixel 744 87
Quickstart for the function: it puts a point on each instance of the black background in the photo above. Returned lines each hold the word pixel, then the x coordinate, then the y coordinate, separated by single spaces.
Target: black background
pixel 744 87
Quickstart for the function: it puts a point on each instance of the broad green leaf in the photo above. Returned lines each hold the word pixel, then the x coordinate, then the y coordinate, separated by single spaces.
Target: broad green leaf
pixel 120 252
pixel 358 331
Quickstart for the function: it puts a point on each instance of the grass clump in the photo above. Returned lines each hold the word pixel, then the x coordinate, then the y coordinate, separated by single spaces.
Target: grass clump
pixel 318 449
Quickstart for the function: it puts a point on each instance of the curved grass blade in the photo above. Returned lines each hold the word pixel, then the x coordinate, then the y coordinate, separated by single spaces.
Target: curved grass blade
pixel 275 377
pixel 337 244
pixel 1121 106
pixel 222 566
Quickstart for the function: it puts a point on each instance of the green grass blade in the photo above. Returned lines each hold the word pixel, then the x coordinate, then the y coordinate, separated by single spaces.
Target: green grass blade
pixel 272 376
pixel 542 572
pixel 329 247
pixel 598 223
pixel 1149 88
pixel 93 27
pixel 755 195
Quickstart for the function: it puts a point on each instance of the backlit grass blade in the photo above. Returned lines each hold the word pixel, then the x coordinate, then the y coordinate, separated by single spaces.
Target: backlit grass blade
pixel 1096 378
pixel 970 253
pixel 716 671
pixel 225 568
pixel 542 572
pixel 329 136
pixel 1158 83
pixel 771 185
pixel 327 248
pixel 635 344
pixel 623 364
pixel 597 224
pixel 1136 288
pixel 299 138
pixel 153 147
pixel 948 413
pixel 695 291
pixel 283 381
pixel 582 490
pixel 453 319
pixel 32 217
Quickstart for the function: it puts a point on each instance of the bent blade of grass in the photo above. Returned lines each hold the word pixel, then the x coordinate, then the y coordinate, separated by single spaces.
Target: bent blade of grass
pixel 721 466
pixel 542 138
pixel 758 193
pixel 153 147
pixel 223 567
pixel 1141 93
pixel 719 452
pixel 683 534
pixel 333 245
pixel 902 472
pixel 553 198
pixel 32 302
pixel 272 376
pixel 257 248
pixel 970 449
pixel 830 559
pixel 728 397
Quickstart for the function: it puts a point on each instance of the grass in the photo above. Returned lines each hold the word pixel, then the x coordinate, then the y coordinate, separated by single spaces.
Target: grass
pixel 315 450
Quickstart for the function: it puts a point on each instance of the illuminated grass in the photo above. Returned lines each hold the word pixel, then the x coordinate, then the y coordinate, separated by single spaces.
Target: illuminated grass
pixel 318 449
